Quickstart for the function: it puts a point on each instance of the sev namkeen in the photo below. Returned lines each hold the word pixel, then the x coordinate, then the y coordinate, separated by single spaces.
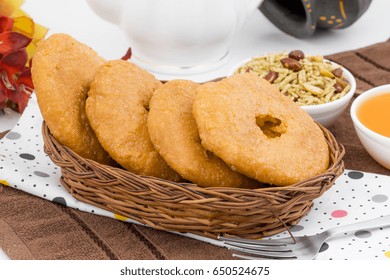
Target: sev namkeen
pixel 307 80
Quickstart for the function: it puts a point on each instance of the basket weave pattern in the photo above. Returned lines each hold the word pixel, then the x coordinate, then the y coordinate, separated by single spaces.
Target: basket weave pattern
pixel 184 207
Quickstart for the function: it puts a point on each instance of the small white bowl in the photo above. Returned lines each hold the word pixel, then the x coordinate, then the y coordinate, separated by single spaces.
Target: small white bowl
pixel 325 114
pixel 378 146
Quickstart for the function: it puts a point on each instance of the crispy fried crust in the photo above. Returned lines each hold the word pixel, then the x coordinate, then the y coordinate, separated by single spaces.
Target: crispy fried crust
pixel 117 108
pixel 259 132
pixel 174 133
pixel 62 71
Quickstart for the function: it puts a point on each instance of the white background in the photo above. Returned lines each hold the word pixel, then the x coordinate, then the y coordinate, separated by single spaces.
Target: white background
pixel 258 36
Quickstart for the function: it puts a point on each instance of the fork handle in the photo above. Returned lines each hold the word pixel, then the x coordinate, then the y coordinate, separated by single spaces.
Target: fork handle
pixel 369 224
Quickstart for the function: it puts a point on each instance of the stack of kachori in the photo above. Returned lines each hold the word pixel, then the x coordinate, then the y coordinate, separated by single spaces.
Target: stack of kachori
pixel 238 132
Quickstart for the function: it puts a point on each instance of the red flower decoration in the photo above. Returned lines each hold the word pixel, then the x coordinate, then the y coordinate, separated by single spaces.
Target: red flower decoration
pixel 15 76
pixel 6 24
pixel 127 56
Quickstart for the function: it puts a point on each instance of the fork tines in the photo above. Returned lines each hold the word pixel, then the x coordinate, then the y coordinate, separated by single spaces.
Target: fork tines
pixel 258 249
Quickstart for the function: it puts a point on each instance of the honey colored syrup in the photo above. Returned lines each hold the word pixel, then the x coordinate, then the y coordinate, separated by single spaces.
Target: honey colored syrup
pixel 374 113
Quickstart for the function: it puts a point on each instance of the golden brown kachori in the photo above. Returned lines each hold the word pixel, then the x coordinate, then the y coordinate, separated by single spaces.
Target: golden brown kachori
pixel 174 133
pixel 258 131
pixel 62 71
pixel 117 108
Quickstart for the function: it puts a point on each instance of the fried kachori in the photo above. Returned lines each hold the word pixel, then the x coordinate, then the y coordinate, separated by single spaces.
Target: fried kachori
pixel 258 131
pixel 174 133
pixel 117 108
pixel 62 71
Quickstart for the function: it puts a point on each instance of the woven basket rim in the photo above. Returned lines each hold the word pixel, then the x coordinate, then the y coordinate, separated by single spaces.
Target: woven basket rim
pixel 187 207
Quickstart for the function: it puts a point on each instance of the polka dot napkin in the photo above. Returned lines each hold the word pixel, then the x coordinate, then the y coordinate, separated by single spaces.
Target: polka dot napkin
pixel 356 196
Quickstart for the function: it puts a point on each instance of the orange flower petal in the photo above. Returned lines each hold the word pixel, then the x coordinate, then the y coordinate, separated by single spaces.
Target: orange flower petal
pixel 8 7
pixel 25 78
pixel 39 32
pixel 12 41
pixel 24 25
pixel 20 97
pixel 6 24
pixel 31 49
pixel 14 62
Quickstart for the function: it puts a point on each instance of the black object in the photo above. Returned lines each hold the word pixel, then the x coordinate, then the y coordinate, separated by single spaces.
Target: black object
pixel 300 18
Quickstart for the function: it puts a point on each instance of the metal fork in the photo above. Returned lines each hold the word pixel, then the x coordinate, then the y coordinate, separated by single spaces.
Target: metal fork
pixel 301 248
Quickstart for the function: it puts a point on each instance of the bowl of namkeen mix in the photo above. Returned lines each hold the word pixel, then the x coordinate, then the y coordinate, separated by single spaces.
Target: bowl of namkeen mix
pixel 321 87
pixel 221 157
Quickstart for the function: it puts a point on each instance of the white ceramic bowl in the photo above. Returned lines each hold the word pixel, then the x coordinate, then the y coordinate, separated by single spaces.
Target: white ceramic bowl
pixel 325 114
pixel 378 146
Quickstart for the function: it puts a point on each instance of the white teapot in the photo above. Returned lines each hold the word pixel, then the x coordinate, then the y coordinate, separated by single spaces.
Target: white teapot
pixel 177 36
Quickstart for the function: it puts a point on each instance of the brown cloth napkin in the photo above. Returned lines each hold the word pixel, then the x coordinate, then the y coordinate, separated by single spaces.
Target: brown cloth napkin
pixel 33 228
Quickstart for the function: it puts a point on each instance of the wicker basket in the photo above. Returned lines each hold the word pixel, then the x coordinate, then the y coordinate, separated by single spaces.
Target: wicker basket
pixel 183 207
